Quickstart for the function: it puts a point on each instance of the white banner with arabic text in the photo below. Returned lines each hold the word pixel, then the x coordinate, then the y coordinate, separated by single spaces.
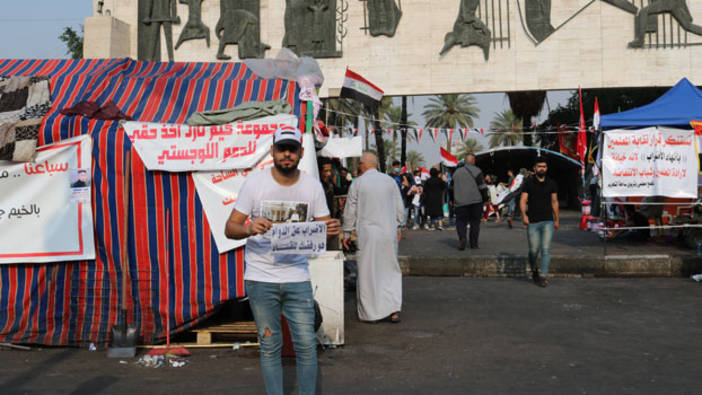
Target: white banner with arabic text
pixel 175 147
pixel 45 209
pixel 218 191
pixel 654 161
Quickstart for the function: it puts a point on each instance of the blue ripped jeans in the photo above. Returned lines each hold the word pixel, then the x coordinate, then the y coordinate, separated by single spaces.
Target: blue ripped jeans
pixel 539 236
pixel 296 302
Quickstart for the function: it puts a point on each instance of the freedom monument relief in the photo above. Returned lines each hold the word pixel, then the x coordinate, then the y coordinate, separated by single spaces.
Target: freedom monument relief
pixel 420 46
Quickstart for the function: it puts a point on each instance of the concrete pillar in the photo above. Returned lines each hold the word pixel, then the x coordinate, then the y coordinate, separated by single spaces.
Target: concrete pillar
pixel 106 37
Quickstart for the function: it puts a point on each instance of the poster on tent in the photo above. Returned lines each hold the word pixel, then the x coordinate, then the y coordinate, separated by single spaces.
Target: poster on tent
pixel 176 147
pixel 649 162
pixel 218 191
pixel 45 208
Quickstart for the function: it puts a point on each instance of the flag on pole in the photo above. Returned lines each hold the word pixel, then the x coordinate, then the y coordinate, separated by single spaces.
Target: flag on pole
pixel 581 146
pixel 596 116
pixel 358 88
pixel 447 159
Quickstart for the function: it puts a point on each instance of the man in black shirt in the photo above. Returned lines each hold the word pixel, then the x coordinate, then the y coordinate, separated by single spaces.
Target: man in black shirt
pixel 539 207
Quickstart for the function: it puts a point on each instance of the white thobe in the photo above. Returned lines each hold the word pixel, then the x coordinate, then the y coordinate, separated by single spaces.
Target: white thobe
pixel 374 209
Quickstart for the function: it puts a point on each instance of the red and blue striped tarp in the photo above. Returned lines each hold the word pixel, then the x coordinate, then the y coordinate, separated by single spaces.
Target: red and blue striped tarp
pixel 75 303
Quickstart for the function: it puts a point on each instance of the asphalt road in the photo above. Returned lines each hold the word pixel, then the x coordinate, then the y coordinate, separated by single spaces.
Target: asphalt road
pixel 457 336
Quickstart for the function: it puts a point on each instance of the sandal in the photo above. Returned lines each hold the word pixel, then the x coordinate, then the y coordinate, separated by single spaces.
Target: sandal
pixel 394 317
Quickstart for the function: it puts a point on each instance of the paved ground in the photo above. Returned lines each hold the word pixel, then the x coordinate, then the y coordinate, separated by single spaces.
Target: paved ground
pixel 569 240
pixel 458 336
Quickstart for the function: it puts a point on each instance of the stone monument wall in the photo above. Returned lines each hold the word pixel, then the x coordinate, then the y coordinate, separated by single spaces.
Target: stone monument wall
pixel 492 45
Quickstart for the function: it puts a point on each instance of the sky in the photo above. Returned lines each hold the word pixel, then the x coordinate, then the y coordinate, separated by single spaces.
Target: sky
pixel 30 30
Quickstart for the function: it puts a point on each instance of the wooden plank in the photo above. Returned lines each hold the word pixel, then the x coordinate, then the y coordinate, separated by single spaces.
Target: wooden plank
pixel 195 345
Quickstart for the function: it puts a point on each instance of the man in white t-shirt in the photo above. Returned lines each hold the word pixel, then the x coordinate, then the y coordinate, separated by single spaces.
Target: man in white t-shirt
pixel 280 283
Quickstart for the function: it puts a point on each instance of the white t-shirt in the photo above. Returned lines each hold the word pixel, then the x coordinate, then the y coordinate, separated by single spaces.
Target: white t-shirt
pixel 306 194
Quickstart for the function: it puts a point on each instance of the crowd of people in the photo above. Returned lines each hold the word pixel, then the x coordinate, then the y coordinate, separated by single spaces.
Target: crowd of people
pixel 372 209
pixel 427 195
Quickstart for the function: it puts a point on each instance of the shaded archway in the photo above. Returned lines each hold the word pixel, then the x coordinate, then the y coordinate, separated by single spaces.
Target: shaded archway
pixel 564 170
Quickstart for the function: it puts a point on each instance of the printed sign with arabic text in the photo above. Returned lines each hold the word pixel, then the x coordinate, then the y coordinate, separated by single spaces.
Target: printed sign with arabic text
pixel 175 147
pixel 298 238
pixel 218 191
pixel 649 162
pixel 41 219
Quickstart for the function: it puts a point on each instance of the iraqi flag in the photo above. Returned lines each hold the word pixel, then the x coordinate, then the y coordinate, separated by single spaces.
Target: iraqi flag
pixel 358 88
pixel 447 159
pixel 596 116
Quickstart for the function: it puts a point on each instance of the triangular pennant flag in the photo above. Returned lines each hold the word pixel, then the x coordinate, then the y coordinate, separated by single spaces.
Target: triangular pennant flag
pixel 419 136
pixel 389 131
pixel 434 134
pixel 450 133
pixel 482 131
pixel 372 131
pixel 462 134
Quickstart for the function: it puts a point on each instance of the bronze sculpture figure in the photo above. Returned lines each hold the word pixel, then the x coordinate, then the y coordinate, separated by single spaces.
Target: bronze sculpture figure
pixel 194 28
pixel 159 13
pixel 468 30
pixel 647 22
pixel 240 26
pixel 383 17
pixel 310 28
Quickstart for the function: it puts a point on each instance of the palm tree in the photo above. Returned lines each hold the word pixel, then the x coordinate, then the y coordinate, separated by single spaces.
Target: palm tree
pixel 506 130
pixel 415 159
pixel 525 106
pixel 342 112
pixel 468 146
pixel 450 112
pixel 393 118
pixel 389 151
pixel 379 114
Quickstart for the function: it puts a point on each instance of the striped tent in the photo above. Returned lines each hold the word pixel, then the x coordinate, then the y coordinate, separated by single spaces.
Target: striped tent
pixel 75 303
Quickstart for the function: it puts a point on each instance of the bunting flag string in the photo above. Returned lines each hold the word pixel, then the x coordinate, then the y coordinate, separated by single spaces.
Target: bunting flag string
pixel 417 131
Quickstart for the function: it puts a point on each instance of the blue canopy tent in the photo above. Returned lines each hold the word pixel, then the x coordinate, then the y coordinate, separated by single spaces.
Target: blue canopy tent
pixel 676 108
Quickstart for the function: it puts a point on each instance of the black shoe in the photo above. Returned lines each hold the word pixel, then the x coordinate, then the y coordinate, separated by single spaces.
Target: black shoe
pixel 543 283
pixel 509 223
pixel 461 245
pixel 535 276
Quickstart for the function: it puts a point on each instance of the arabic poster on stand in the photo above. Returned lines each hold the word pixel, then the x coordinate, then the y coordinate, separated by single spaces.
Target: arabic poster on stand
pixel 45 208
pixel 218 191
pixel 655 161
pixel 175 147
